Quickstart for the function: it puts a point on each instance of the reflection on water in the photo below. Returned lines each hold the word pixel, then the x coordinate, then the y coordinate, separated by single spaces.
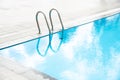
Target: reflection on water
pixel 88 52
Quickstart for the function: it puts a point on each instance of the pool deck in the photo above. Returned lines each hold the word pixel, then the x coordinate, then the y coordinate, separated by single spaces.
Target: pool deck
pixel 17 18
pixel 11 70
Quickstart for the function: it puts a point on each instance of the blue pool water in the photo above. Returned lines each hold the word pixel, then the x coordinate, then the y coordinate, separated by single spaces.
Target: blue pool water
pixel 87 52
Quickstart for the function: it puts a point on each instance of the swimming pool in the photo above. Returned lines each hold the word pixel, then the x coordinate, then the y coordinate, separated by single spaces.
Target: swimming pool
pixel 86 52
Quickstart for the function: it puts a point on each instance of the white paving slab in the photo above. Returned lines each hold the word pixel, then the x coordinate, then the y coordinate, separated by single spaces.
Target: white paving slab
pixel 11 70
pixel 17 17
pixel 6 74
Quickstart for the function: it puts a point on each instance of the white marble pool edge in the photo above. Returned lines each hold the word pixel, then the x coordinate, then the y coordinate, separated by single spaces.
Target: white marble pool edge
pixel 12 70
pixel 80 21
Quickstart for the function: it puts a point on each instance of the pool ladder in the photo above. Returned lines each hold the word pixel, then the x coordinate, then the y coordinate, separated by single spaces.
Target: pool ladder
pixel 50 32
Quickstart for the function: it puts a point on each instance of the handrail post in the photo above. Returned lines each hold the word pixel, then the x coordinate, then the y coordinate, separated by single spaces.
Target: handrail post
pixel 50 16
pixel 38 26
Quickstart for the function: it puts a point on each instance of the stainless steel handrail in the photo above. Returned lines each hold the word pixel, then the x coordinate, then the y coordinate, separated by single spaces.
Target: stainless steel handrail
pixel 51 21
pixel 50 16
pixel 38 42
pixel 38 26
pixel 50 33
